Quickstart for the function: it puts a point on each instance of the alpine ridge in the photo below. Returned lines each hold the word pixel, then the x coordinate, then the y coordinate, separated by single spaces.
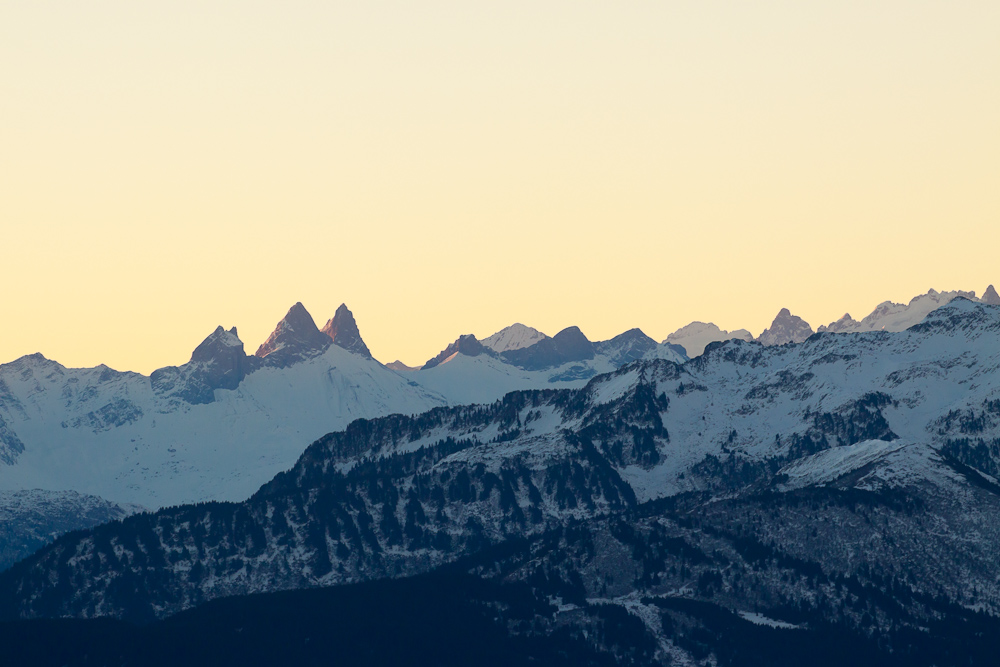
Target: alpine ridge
pixel 829 501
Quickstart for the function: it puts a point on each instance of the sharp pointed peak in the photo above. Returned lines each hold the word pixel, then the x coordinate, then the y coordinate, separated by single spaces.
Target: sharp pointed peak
pixel 296 336
pixel 297 318
pixel 216 343
pixel 343 330
pixel 786 328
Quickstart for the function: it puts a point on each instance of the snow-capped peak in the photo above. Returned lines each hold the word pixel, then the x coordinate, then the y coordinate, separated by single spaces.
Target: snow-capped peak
pixel 514 337
pixel 843 325
pixel 695 336
pixel 889 316
pixel 218 340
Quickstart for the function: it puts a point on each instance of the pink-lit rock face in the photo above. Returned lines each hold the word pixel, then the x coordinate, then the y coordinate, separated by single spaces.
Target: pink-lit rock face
pixel 343 331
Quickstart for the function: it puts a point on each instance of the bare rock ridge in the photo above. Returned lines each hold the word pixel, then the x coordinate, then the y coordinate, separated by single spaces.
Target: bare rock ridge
pixel 343 331
pixel 219 362
pixel 786 328
pixel 568 345
pixel 466 344
pixel 226 361
pixel 295 338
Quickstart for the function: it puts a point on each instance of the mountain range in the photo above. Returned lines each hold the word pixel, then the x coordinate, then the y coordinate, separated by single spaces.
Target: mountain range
pixel 219 426
pixel 831 501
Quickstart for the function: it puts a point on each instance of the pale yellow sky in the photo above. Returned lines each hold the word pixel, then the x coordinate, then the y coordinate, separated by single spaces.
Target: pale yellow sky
pixel 453 167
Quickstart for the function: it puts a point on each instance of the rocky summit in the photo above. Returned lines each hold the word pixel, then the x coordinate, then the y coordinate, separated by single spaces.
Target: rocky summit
pixel 786 328
pixel 343 331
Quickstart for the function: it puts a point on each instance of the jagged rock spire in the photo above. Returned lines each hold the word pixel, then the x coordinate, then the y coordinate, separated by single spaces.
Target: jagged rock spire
pixel 786 328
pixel 295 338
pixel 343 331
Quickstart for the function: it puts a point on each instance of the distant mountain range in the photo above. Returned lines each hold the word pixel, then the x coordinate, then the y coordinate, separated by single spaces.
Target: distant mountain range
pixel 788 328
pixel 827 502
pixel 219 426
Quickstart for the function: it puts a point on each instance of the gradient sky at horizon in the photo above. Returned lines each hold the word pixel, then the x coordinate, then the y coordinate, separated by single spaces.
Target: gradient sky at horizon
pixel 453 167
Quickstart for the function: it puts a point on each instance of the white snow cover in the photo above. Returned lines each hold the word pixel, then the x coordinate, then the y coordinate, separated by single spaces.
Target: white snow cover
pixel 514 337
pixel 165 452
pixel 739 397
pixel 889 316
pixel 696 336
pixel 483 379
pixel 825 467
pixel 760 619
pixel 108 434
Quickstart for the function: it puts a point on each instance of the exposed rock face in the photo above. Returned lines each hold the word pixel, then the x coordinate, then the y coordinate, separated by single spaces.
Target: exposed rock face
pixel 466 344
pixel 786 328
pixel 295 338
pixel 991 297
pixel 218 363
pixel 343 331
pixel 226 362
pixel 568 345
pixel 626 347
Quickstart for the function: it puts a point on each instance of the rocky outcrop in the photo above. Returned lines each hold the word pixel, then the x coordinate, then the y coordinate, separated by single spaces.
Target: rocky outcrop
pixel 343 331
pixel 295 338
pixel 786 328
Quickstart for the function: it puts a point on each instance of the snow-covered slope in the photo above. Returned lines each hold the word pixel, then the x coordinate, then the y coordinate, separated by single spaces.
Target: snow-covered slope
pixel 696 336
pixel 513 337
pixel 32 518
pixel 904 424
pixel 221 425
pixel 468 371
pixel 110 434
pixel 889 316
